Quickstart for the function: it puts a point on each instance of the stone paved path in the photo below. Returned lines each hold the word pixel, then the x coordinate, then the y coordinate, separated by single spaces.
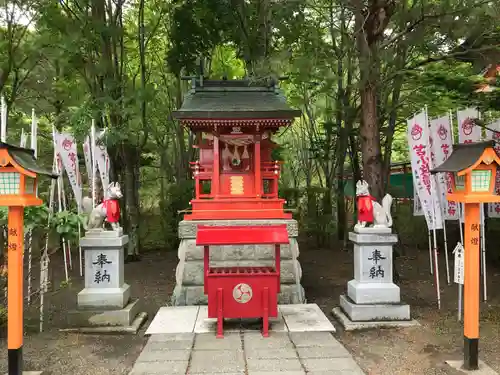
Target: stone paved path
pixel 283 353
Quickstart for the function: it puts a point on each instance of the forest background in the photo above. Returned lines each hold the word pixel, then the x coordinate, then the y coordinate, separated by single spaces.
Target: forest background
pixel 357 70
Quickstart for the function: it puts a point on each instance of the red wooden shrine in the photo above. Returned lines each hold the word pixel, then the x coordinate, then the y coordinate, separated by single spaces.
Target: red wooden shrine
pixel 236 178
pixel 242 292
pixel 235 175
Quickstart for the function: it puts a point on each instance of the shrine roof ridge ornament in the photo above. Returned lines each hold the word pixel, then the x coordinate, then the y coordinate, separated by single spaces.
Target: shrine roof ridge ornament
pixel 464 156
pixel 236 100
pixel 25 158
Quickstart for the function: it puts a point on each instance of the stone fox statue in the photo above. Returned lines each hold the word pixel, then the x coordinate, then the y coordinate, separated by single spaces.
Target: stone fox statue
pixel 109 209
pixel 369 210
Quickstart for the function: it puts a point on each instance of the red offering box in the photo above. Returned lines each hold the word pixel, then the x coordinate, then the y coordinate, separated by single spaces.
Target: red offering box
pixel 239 291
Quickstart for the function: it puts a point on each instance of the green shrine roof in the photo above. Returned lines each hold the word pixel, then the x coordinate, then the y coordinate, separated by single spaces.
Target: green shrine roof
pixel 234 99
pixel 25 157
pixel 464 156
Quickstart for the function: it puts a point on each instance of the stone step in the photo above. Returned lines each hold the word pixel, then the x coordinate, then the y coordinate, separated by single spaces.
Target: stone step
pixel 188 228
pixel 191 273
pixel 194 295
pixel 189 251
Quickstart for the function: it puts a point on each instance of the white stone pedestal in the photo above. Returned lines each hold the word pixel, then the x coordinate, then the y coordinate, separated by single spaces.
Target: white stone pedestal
pixel 104 276
pixel 371 295
pixel 105 300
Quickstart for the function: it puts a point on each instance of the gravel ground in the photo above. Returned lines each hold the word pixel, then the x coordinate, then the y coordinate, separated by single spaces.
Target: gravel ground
pixel 80 354
pixel 419 350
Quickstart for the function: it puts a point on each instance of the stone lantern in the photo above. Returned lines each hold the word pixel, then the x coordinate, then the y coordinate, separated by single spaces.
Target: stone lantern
pixel 474 167
pixel 19 172
pixel 18 176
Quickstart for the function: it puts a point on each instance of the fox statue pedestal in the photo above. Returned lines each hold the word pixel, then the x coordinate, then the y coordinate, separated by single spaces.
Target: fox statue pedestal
pixel 104 305
pixel 104 270
pixel 372 299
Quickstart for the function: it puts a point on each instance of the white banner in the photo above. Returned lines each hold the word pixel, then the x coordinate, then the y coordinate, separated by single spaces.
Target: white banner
pixel 494 208
pixel 417 206
pixel 102 159
pixel 421 164
pixel 87 154
pixel 441 148
pixel 67 150
pixel 467 131
pixel 24 139
pixel 3 119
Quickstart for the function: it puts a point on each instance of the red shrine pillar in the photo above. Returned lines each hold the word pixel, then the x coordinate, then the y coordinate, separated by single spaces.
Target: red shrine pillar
pixel 216 169
pixel 258 181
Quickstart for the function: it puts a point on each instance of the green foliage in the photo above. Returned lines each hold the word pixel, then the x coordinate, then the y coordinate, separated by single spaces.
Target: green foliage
pixel 411 230
pixel 67 224
pixel 290 195
pixel 3 315
pixel 198 27
pixel 36 216
pixel 75 63
pixel 4 214
pixel 176 199
pixel 195 30
pixel 225 63
pixel 65 284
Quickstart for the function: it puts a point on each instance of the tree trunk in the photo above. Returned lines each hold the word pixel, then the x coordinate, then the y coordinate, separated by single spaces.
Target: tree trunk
pixel 341 207
pixel 142 55
pixel 131 197
pixel 370 22
pixel 402 51
pixel 370 141
pixel 390 133
pixel 354 156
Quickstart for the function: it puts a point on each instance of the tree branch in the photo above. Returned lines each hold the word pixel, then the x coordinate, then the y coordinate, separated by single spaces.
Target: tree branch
pixel 449 56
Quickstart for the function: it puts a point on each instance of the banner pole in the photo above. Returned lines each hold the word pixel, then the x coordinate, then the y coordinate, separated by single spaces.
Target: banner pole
pixel 434 222
pixel 59 200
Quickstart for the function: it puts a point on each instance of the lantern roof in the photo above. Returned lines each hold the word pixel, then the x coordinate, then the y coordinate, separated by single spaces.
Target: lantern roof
pixel 235 100
pixel 464 156
pixel 25 158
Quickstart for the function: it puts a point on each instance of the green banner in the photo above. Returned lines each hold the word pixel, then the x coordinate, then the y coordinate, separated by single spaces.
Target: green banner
pixel 400 186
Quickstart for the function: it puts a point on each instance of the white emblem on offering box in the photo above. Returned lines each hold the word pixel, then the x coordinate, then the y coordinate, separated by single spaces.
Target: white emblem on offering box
pixel 242 293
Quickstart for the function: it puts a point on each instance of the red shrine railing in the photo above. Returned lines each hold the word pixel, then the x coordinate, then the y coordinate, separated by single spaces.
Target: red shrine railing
pixel 269 171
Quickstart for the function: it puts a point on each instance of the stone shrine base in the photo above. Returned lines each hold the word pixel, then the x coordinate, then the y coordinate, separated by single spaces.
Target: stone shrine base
pixel 105 297
pixel 372 299
pixel 107 320
pixel 189 273
pixel 370 293
pixel 104 305
pixel 350 325
pixel 374 312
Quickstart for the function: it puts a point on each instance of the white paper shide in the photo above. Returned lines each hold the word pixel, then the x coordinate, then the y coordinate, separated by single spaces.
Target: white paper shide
pixel 87 154
pixel 102 160
pixel 459 264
